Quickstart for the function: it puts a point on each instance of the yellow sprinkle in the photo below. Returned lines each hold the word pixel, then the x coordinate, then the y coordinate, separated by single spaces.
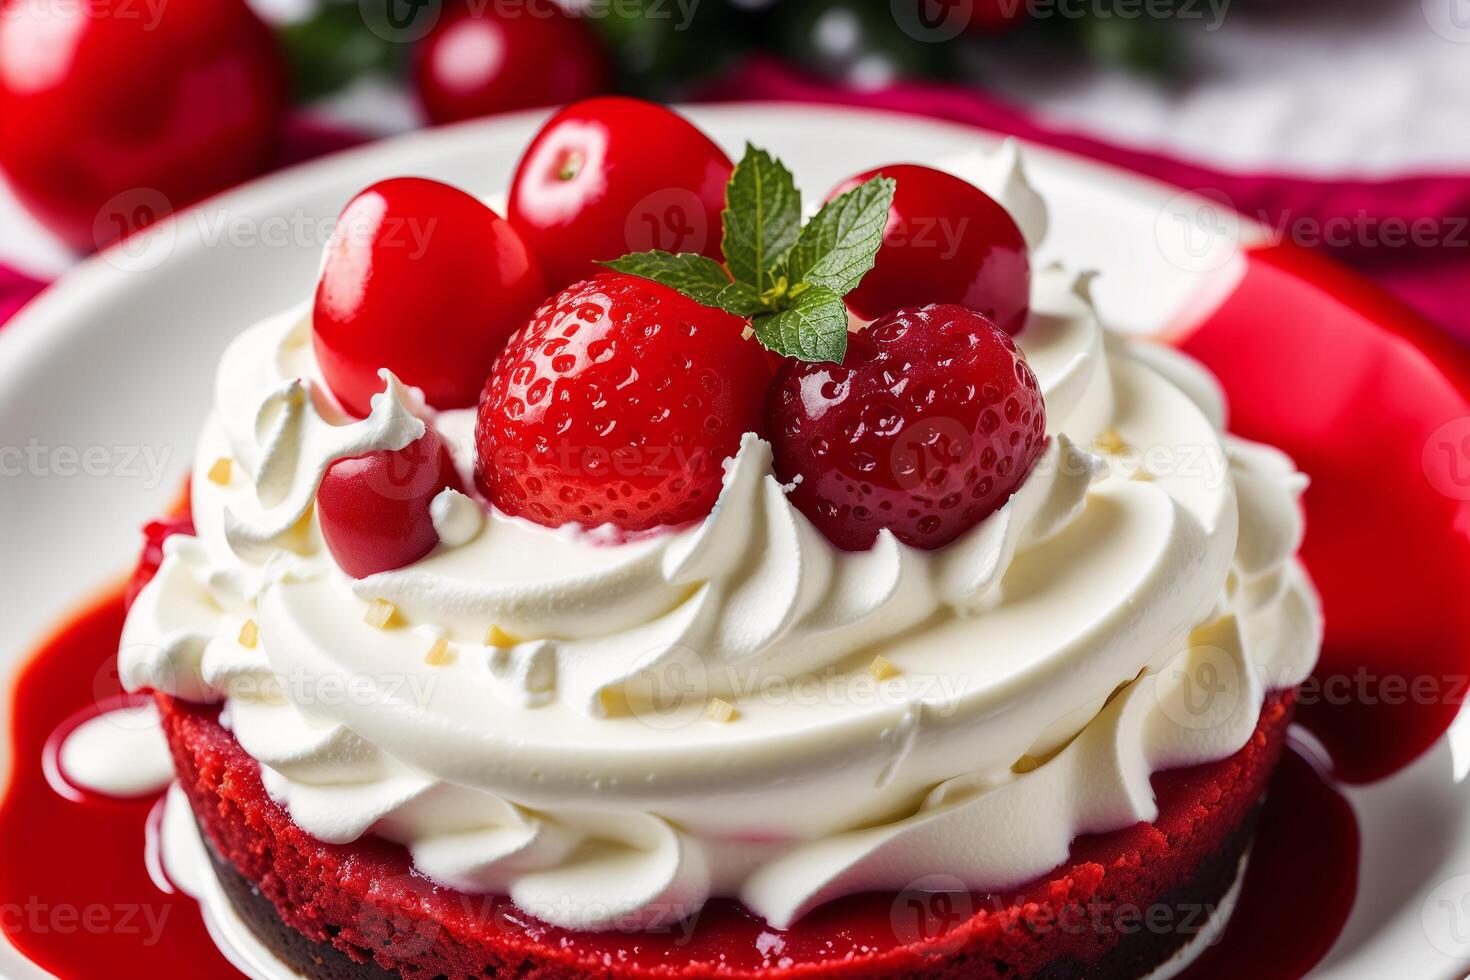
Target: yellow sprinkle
pixel 438 653
pixel 1110 442
pixel 221 470
pixel 380 612
pixel 720 710
pixel 498 637
pixel 249 634
pixel 882 668
pixel 1025 764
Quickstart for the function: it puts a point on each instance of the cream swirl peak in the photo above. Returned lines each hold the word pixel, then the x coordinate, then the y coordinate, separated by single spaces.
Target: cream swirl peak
pixel 876 714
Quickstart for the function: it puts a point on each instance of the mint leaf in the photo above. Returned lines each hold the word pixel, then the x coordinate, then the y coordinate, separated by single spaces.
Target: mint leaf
pixel 761 219
pixel 699 277
pixel 814 328
pixel 741 299
pixel 838 246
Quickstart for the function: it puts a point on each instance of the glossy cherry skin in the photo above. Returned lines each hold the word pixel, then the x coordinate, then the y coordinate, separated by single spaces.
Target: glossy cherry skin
pixel 609 176
pixel 374 509
pixel 482 60
pixel 946 241
pixel 927 427
pixel 618 404
pixel 112 115
pixel 423 279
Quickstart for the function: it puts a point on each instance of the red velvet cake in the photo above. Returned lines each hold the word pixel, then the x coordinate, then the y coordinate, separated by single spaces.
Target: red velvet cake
pixel 554 609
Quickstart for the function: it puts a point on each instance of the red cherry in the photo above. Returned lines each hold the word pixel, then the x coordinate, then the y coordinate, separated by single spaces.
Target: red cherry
pixel 927 427
pixel 609 176
pixel 617 404
pixel 113 115
pixel 426 281
pixel 374 509
pixel 477 61
pixel 946 241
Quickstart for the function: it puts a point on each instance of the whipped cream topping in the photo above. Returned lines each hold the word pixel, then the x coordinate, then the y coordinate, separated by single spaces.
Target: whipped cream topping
pixel 1034 673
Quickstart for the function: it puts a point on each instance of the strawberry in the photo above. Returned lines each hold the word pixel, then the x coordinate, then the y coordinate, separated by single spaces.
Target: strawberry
pixel 929 424
pixel 616 404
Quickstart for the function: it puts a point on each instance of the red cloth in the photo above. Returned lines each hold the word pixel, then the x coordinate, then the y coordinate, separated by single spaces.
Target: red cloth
pixel 1367 215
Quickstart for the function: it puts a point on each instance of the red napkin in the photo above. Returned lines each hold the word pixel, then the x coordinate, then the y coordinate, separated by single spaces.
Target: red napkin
pixel 1369 214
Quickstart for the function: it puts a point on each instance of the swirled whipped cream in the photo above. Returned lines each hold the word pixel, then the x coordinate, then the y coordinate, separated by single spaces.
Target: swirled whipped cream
pixel 611 732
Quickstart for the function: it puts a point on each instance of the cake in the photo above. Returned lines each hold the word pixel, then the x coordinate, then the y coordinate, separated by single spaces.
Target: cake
pixel 836 599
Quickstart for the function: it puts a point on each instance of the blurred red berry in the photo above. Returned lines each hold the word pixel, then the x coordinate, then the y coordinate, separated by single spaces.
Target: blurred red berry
pixel 481 60
pixel 111 115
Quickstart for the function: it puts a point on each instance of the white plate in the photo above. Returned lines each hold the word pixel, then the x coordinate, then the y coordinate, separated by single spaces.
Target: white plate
pixel 105 378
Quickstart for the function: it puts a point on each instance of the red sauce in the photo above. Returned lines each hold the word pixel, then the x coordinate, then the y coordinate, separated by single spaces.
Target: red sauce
pixel 76 893
pixel 1356 384
pixel 1304 859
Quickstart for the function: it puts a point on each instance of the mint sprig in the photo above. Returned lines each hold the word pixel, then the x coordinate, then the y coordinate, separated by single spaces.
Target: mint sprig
pixel 787 278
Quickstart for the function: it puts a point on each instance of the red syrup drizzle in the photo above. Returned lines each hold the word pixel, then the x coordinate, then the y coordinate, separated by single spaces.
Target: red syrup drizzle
pixel 1319 390
pixel 76 894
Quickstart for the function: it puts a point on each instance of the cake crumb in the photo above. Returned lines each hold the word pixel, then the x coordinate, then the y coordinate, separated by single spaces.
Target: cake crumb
pixel 720 710
pixel 380 612
pixel 438 653
pixel 221 471
pixel 882 668
pixel 1110 441
pixel 249 634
